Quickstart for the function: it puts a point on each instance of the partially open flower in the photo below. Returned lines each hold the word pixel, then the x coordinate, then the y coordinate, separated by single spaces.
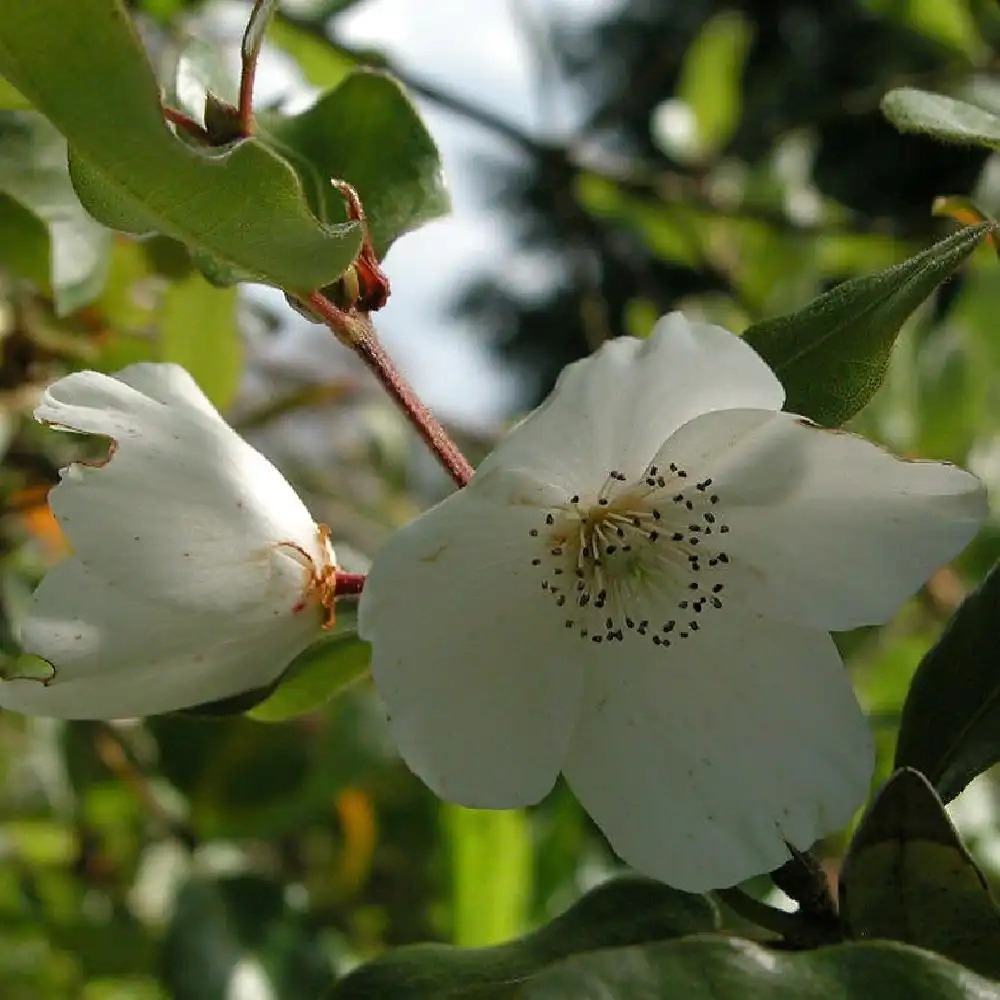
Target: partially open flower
pixel 636 589
pixel 197 571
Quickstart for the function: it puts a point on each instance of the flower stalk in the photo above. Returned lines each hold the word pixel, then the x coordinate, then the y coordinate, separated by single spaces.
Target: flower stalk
pixel 355 330
pixel 353 327
pixel 349 584
pixel 186 124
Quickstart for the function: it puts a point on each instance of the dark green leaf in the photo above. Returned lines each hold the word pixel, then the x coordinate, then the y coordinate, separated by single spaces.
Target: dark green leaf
pixel 624 911
pixel 368 133
pixel 908 877
pixel 942 117
pixel 731 969
pixel 240 205
pixel 832 355
pixel 24 249
pixel 950 729
pixel 73 259
pixel 237 927
pixel 106 949
pixel 245 779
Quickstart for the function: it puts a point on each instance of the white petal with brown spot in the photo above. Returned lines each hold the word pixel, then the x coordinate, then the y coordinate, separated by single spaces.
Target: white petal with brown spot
pixel 197 573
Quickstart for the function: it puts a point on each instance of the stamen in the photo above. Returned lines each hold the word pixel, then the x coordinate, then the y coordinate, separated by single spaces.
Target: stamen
pixel 638 540
pixel 320 580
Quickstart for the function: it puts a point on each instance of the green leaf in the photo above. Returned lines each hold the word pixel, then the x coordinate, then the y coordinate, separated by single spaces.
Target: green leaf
pixel 11 99
pixel 244 779
pixel 368 133
pixel 950 729
pixel 140 273
pixel 628 910
pixel 237 927
pixel 675 232
pixel 942 117
pixel 25 247
pixel 711 78
pixel 945 21
pixel 240 205
pixel 491 873
pixel 200 69
pixel 732 969
pixel 199 331
pixel 330 666
pixel 832 355
pixel 908 877
pixel 324 670
pixel 71 259
pixel 120 948
pixel 320 62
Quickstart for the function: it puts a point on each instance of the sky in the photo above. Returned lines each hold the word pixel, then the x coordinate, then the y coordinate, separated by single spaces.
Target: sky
pixel 477 51
pixel 481 52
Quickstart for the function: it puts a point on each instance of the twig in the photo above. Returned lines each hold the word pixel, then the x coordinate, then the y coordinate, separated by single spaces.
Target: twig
pixel 186 124
pixel 537 35
pixel 355 330
pixel 759 913
pixel 349 584
pixel 253 40
pixel 319 394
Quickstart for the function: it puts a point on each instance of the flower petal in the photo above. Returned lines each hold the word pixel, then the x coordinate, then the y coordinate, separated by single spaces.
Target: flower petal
pixel 614 409
pixel 825 528
pixel 167 383
pixel 472 660
pixel 699 761
pixel 117 652
pixel 184 507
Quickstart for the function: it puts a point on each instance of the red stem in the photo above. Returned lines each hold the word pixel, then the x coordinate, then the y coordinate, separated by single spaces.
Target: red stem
pixel 357 332
pixel 244 119
pixel 253 40
pixel 182 121
pixel 349 584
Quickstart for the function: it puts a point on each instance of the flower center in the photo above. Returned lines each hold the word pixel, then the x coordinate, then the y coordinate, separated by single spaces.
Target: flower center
pixel 655 542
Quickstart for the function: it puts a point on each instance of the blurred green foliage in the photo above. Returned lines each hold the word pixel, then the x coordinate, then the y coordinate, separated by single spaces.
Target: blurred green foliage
pixel 733 161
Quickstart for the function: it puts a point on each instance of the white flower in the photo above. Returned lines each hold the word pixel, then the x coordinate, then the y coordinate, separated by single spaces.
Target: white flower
pixel 636 589
pixel 197 571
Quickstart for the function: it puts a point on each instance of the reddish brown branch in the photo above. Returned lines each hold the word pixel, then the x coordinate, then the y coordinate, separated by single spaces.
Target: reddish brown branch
pixel 244 111
pixel 349 584
pixel 189 125
pixel 373 283
pixel 355 330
